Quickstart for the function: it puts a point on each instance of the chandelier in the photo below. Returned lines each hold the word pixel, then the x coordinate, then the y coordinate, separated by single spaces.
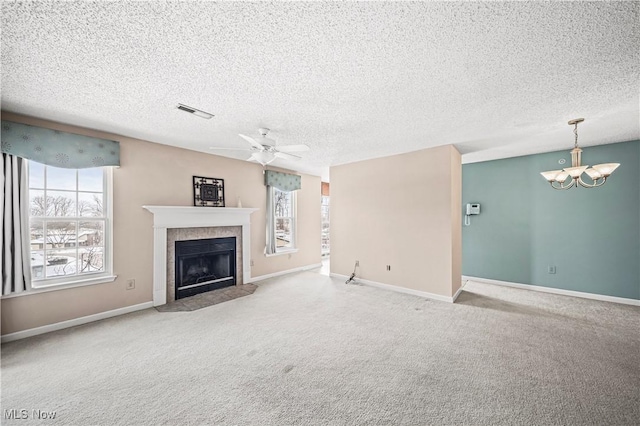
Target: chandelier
pixel 598 173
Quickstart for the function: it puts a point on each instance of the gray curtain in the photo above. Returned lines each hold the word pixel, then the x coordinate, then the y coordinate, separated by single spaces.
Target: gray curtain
pixel 271 222
pixel 14 203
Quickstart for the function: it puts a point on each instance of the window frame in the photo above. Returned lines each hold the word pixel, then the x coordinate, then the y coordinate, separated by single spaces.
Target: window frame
pixel 325 207
pixel 292 218
pixel 90 278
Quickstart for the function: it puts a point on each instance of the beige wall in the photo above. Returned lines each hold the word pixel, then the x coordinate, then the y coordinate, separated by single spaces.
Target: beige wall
pixel 154 174
pixel 402 211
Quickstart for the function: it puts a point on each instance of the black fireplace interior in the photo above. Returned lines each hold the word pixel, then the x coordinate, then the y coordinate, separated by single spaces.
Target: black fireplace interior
pixel 204 265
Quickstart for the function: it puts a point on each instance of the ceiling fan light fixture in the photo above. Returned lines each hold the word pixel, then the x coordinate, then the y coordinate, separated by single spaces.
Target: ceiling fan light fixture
pixel 263 157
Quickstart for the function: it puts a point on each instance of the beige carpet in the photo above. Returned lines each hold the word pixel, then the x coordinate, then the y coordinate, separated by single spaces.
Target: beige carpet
pixel 309 350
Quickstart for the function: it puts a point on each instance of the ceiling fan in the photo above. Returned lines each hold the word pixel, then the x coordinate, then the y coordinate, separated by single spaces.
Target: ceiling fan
pixel 264 149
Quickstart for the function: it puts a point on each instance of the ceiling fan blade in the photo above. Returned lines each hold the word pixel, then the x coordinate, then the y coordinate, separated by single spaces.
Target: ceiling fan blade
pixel 252 141
pixel 292 148
pixel 286 156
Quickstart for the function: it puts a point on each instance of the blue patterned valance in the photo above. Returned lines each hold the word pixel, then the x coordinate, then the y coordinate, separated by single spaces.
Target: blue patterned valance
pixel 282 181
pixel 58 149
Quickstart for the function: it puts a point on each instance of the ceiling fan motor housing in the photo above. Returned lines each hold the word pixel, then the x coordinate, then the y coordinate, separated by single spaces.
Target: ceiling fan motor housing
pixel 267 143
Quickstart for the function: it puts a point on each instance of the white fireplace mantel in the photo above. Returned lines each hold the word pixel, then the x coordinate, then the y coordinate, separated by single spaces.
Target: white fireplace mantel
pixel 193 217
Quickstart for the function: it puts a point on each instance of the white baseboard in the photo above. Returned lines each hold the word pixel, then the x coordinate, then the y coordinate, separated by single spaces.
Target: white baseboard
pixel 552 290
pixel 73 322
pixel 288 271
pixel 455 296
pixel 404 290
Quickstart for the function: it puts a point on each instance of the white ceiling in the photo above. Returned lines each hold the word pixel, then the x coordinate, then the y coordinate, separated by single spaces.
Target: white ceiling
pixel 351 80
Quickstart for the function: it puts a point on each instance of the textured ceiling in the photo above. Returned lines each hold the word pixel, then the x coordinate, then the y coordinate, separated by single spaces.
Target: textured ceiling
pixel 351 80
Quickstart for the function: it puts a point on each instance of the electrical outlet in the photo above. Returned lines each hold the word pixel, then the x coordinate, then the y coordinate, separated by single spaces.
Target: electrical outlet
pixel 131 284
pixel 551 269
pixel 251 263
pixel 357 263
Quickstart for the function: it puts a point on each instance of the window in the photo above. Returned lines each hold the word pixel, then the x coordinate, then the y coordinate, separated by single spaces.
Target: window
pixel 284 205
pixel 324 206
pixel 69 221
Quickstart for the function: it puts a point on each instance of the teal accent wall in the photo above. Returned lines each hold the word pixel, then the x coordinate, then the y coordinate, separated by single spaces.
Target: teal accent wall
pixel 591 236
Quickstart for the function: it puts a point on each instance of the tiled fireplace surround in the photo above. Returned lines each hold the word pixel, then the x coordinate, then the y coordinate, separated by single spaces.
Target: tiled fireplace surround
pixel 186 234
pixel 173 223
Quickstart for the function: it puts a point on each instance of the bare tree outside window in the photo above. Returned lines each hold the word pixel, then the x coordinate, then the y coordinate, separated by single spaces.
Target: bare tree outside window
pixel 91 207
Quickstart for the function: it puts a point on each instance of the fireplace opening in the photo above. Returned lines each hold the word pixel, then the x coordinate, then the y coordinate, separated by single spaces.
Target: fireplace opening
pixel 204 265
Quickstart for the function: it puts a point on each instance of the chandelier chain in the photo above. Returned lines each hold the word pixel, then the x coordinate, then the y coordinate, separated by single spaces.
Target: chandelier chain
pixel 575 132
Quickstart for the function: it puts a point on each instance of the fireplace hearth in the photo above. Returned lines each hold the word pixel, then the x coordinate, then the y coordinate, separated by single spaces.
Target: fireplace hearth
pixel 204 265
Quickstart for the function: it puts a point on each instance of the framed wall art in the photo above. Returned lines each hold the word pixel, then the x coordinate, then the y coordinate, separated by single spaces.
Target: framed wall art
pixel 208 192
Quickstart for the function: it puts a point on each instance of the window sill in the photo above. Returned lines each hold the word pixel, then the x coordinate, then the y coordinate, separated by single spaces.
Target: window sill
pixel 54 287
pixel 281 252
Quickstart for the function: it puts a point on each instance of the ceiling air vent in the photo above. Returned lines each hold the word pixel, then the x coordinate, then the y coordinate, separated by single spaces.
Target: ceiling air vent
pixel 194 111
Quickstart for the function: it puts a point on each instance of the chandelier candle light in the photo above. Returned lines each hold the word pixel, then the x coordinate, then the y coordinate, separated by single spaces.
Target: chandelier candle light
pixel 598 173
